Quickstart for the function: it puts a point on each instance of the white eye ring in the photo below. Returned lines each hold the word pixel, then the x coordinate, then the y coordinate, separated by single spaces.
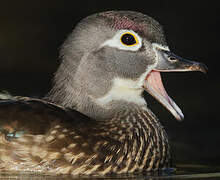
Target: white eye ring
pixel 117 43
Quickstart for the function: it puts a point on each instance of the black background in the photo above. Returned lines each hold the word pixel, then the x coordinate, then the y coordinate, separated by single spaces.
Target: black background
pixel 31 33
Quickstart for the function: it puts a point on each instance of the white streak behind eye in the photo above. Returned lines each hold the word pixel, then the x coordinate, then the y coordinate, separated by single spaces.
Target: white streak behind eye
pixel 116 41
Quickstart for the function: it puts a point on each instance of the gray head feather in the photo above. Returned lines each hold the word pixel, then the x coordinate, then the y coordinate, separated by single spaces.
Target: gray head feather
pixel 87 69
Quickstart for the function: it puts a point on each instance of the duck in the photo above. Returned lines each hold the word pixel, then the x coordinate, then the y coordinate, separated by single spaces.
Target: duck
pixel 95 120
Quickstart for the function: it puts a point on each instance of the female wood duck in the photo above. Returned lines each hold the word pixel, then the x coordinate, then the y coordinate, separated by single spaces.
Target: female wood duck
pixel 95 121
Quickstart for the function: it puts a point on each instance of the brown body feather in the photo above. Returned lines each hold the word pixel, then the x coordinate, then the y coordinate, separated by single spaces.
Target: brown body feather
pixel 38 136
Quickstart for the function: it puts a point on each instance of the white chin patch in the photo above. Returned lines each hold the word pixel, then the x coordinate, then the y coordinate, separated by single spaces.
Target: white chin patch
pixel 115 41
pixel 123 90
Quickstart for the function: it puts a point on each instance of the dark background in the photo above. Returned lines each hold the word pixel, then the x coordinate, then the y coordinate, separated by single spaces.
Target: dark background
pixel 31 33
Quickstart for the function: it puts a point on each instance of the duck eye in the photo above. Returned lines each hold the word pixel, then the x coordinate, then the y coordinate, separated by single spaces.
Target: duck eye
pixel 129 39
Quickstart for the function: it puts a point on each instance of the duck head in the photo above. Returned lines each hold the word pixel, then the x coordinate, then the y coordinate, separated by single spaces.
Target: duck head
pixel 110 58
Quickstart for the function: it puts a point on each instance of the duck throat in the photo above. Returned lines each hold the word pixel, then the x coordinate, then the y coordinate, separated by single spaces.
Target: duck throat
pixel 122 94
pixel 125 90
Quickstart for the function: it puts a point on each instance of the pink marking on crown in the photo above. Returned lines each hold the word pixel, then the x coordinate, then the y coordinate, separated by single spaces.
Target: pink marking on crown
pixel 125 23
pixel 122 22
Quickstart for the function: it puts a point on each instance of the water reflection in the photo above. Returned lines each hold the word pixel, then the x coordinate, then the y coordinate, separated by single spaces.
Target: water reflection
pixel 183 172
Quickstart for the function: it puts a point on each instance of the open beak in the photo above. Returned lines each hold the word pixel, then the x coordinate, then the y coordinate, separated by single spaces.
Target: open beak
pixel 168 62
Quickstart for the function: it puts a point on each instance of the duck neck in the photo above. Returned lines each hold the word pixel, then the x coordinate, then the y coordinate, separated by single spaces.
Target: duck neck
pixel 95 107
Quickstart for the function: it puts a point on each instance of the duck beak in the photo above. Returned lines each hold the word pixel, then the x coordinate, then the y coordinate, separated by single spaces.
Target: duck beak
pixel 168 62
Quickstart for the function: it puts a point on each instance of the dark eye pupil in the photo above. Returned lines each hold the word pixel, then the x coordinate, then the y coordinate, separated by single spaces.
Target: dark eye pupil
pixel 128 39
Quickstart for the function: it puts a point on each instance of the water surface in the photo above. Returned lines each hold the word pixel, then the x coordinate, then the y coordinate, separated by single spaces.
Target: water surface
pixel 184 171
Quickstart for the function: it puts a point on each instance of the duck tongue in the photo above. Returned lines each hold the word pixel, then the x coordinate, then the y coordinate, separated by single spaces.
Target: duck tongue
pixel 153 85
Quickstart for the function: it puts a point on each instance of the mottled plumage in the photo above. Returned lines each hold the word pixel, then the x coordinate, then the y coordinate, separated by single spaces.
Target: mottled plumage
pixel 60 140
